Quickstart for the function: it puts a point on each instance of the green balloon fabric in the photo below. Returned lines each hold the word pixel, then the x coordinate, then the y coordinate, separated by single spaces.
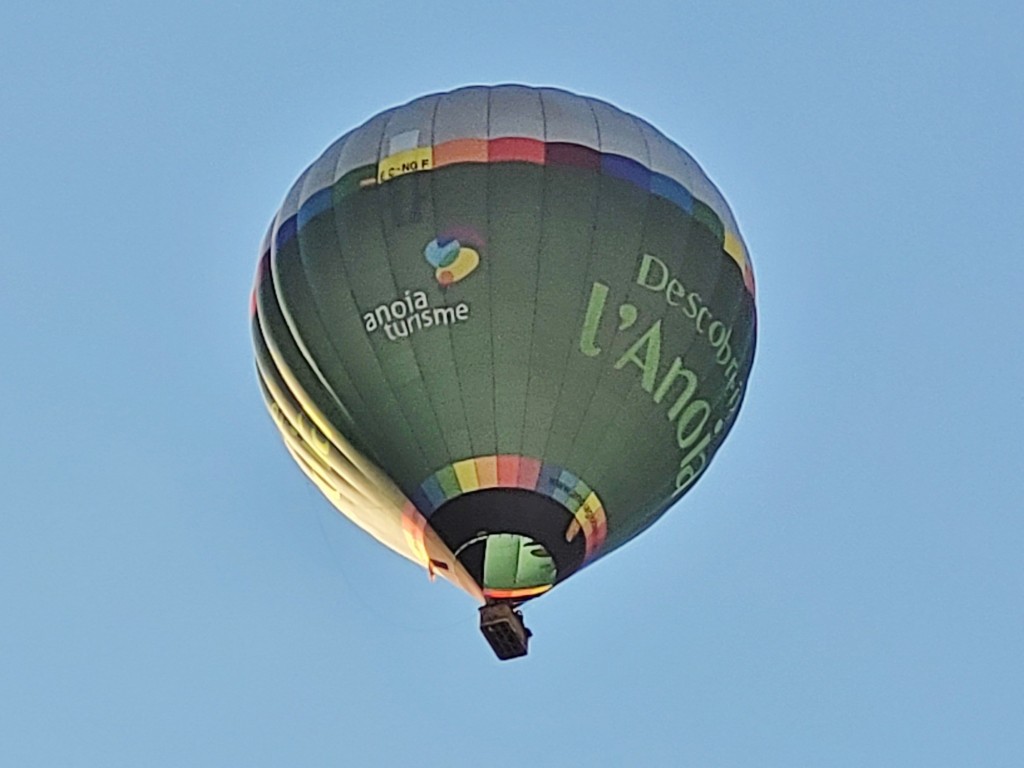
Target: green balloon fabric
pixel 504 329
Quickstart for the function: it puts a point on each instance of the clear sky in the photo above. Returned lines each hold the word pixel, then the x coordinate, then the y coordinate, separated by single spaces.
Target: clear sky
pixel 844 587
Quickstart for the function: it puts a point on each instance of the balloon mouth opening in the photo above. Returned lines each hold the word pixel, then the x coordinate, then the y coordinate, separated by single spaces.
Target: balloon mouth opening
pixel 515 543
pixel 515 567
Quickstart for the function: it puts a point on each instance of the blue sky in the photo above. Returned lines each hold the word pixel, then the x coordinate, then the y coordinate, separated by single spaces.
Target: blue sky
pixel 844 587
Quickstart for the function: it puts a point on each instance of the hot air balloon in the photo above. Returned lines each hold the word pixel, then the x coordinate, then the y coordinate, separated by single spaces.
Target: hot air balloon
pixel 503 330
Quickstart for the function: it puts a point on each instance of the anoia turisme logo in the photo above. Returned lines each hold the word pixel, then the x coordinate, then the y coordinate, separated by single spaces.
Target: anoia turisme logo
pixel 454 256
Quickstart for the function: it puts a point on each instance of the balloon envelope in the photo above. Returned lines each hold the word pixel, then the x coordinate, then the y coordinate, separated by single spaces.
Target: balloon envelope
pixel 504 329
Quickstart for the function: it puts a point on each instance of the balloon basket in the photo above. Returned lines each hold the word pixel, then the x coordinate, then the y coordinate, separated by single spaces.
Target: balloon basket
pixel 503 628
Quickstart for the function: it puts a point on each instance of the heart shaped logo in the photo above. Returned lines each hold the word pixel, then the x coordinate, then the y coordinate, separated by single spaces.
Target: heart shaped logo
pixel 441 252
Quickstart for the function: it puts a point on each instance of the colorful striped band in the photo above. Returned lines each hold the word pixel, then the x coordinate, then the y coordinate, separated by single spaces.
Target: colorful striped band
pixel 520 150
pixel 510 471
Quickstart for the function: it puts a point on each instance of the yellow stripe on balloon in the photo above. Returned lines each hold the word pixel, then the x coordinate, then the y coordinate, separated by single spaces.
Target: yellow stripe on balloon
pixel 465 473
